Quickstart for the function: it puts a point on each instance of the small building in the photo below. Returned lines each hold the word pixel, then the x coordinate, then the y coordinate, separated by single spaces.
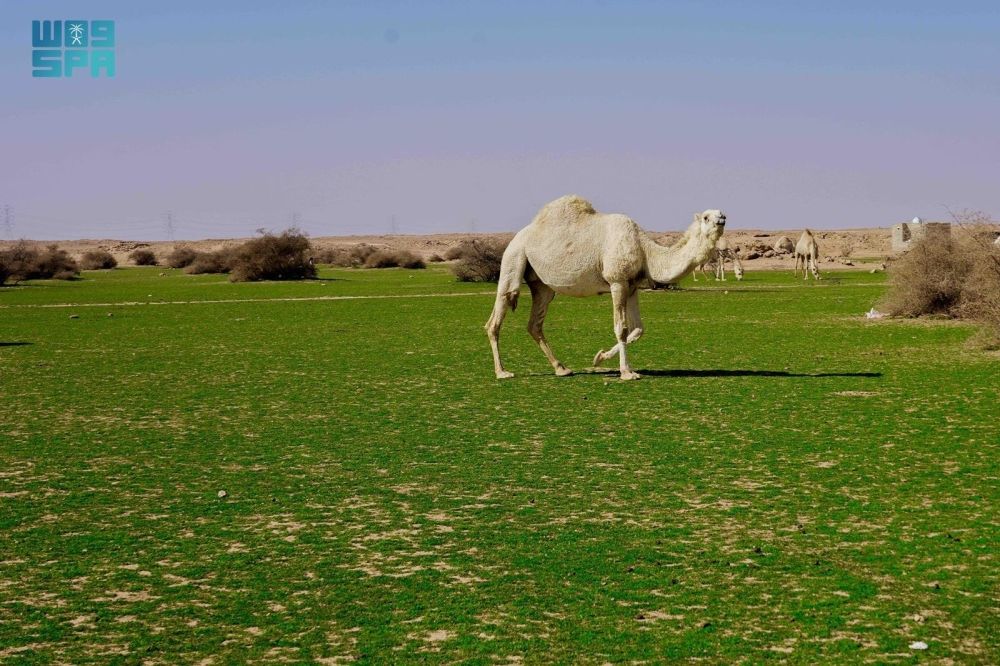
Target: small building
pixel 905 234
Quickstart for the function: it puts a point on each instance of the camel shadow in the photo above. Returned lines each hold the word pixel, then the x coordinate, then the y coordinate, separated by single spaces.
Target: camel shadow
pixel 718 372
pixel 15 344
pixel 750 373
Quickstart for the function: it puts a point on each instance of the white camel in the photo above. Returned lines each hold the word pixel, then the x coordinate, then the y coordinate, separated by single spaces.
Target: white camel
pixel 807 253
pixel 717 258
pixel 569 248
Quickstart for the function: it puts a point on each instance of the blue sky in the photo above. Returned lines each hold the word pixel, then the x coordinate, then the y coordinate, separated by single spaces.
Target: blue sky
pixel 361 117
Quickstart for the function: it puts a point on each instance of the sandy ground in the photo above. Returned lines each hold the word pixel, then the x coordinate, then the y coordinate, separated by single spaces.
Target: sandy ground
pixel 861 246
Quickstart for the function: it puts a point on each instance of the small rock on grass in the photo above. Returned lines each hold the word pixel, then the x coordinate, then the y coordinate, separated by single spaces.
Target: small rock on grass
pixel 918 645
pixel 223 494
pixel 74 316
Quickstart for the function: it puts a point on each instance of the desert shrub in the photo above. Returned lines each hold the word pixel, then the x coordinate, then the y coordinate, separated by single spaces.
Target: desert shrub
pixel 143 257
pixel 955 274
pixel 457 251
pixel 57 264
pixel 980 299
pixel 928 278
pixel 394 258
pixel 435 258
pixel 847 247
pixel 97 259
pixel 325 255
pixel 220 261
pixel 347 257
pixel 26 262
pixel 270 257
pixel 181 257
pixel 480 261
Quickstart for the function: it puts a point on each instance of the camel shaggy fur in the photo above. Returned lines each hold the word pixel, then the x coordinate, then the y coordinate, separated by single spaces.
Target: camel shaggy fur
pixel 570 248
pixel 722 253
pixel 807 252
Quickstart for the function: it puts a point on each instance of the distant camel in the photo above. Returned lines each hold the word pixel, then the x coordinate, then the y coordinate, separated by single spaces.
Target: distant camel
pixel 807 252
pixel 722 252
pixel 570 248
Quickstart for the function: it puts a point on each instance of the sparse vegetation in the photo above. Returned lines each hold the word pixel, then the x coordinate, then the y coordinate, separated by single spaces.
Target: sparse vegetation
pixel 24 261
pixel 393 259
pixel 143 257
pixel 181 257
pixel 93 260
pixel 479 260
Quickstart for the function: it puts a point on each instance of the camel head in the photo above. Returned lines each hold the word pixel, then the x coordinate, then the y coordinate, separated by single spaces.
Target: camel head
pixel 710 224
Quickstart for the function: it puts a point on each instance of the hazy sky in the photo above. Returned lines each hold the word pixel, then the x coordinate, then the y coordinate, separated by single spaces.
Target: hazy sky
pixel 355 117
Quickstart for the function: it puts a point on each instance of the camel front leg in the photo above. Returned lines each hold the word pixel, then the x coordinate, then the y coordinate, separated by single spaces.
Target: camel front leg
pixel 619 302
pixel 634 322
pixel 541 296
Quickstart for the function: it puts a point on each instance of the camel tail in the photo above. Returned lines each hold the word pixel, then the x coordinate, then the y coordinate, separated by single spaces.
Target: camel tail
pixel 511 298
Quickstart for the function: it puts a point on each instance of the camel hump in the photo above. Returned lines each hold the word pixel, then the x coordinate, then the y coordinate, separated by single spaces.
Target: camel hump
pixel 567 208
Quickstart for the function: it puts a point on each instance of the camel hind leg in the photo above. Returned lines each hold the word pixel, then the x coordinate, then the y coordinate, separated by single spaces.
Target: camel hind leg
pixel 512 269
pixel 541 296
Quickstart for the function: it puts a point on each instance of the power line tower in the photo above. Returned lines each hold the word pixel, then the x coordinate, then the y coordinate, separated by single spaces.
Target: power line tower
pixel 170 224
pixel 8 222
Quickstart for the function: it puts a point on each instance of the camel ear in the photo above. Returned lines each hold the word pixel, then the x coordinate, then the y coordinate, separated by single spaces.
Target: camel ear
pixel 697 217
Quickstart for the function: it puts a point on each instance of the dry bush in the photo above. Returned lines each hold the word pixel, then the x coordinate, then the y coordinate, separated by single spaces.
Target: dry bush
pixel 143 258
pixel 394 258
pixel 181 257
pixel 435 259
pixel 479 261
pixel 26 262
pixel 457 251
pixel 220 261
pixel 325 255
pixel 847 247
pixel 928 278
pixel 955 274
pixel 93 260
pixel 980 298
pixel 346 257
pixel 270 257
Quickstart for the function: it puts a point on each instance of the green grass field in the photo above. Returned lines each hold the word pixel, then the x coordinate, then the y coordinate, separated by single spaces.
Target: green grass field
pixel 788 482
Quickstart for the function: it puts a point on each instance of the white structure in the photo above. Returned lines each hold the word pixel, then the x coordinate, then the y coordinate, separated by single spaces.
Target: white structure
pixel 905 233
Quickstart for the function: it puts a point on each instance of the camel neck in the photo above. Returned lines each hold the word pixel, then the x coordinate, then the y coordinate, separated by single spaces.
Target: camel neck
pixel 669 264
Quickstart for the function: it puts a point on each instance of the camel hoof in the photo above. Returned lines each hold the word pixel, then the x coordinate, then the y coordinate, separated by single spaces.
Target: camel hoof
pixel 563 371
pixel 630 375
pixel 504 374
pixel 598 359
